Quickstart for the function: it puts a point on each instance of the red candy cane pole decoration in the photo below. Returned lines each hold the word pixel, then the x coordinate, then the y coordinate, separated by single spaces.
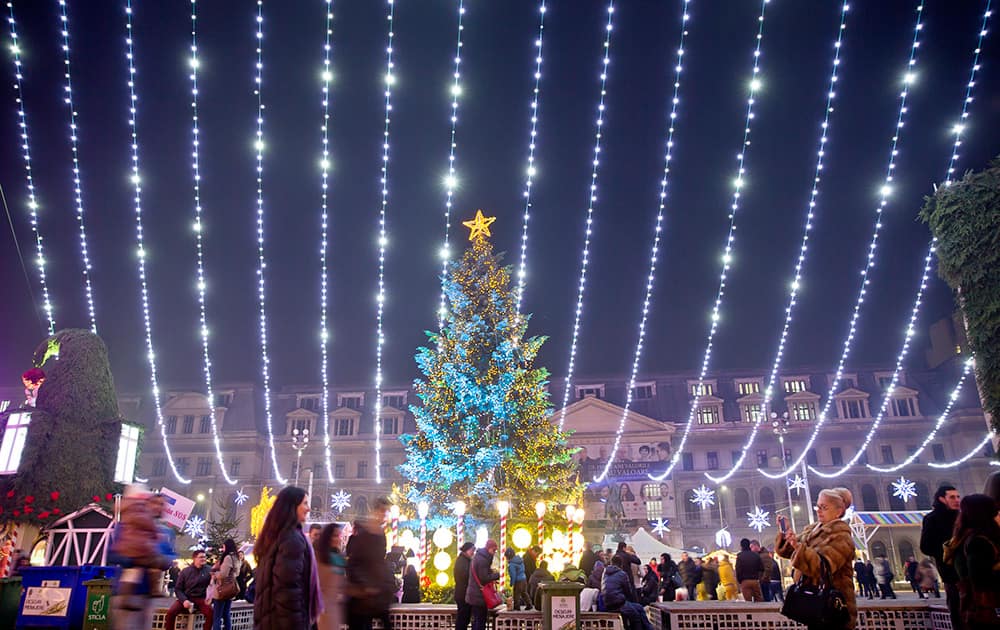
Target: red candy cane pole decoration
pixel 540 511
pixel 422 509
pixel 459 523
pixel 504 508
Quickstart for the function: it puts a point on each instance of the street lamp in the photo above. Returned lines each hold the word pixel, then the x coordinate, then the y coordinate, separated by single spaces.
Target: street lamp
pixel 779 424
pixel 300 440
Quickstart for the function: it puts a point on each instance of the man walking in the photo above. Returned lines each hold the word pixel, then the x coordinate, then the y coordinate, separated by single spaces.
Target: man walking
pixel 686 568
pixel 462 564
pixel 936 531
pixel 190 590
pixel 749 572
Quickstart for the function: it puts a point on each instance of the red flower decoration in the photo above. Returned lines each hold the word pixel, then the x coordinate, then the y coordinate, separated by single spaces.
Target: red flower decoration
pixel 17 512
pixel 43 515
pixel 10 494
pixel 29 499
pixel 55 510
pixel 108 496
pixel 28 509
pixel 54 496
pixel 96 498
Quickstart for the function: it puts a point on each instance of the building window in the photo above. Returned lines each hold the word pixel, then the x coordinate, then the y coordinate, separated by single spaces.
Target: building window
pixel 654 509
pixel 363 469
pixel 708 415
pixel 762 458
pixel 938 452
pixel 887 457
pixel 794 385
pixel 396 401
pixel 13 442
pixel 864 459
pixel 204 467
pixel 912 451
pixel 128 452
pixel 687 461
pixel 188 424
pixel 385 469
pixel 869 499
pixel 310 403
pixel 181 465
pixel 804 411
pixel 234 467
pixel 206 424
pixel 713 460
pixel 903 407
pixel 643 392
pixel 692 513
pixel 301 425
pixel 390 425
pixel 748 387
pixel 704 389
pixel 351 401
pixel 590 391
pixel 343 426
pixel 852 409
pixel 736 456
pixel 752 412
pixel 171 425
pixel 339 469
pixel 811 458
pixel 160 467
pixel 884 380
pixel 224 400
pixel 836 456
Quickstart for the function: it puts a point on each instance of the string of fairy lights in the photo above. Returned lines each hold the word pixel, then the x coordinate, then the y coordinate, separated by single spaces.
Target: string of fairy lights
pixel 29 180
pixel 451 180
pixel 74 136
pixel 199 247
pixel 810 213
pixel 324 164
pixel 530 169
pixel 390 79
pixel 140 238
pixel 588 224
pixel 265 365
pixel 657 229
pixel 975 450
pixel 754 86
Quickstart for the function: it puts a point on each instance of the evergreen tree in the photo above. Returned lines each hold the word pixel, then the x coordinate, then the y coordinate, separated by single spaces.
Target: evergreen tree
pixel 483 430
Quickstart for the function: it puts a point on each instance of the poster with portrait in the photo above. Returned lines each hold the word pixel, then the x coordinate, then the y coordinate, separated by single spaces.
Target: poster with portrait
pixel 628 493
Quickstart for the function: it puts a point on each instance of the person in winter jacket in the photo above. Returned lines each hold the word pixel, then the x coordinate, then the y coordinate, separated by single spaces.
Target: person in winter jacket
pixel 332 566
pixel 518 577
pixel 749 571
pixel 411 585
pixel 727 575
pixel 828 538
pixel 974 551
pixel 687 569
pixel 650 588
pixel 462 566
pixel 619 596
pixel 588 558
pixel 541 575
pixel 190 591
pixel 937 529
pixel 224 573
pixel 926 578
pixel 481 573
pixel 668 570
pixel 371 585
pixel 767 560
pixel 287 582
pixel 594 581
pixel 884 577
pixel 530 558
pixel 710 578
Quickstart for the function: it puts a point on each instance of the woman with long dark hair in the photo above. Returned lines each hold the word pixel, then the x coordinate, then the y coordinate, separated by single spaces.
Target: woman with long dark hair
pixel 224 577
pixel 287 582
pixel 975 552
pixel 332 571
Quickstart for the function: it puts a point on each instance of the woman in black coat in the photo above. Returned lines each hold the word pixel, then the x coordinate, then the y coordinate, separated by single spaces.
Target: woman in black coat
pixel 287 595
pixel 411 585
pixel 371 584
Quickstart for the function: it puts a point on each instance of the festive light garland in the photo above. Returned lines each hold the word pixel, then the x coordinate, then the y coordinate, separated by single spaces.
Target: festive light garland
pixel 324 334
pixel 928 260
pixel 198 227
pixel 582 283
pixel 382 241
pixel 933 432
pixel 990 435
pixel 22 123
pixel 450 181
pixel 77 177
pixel 730 237
pixel 261 264
pixel 803 247
pixel 530 170
pixel 654 252
pixel 140 244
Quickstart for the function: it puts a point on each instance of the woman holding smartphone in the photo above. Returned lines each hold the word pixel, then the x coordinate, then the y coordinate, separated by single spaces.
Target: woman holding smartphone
pixel 829 537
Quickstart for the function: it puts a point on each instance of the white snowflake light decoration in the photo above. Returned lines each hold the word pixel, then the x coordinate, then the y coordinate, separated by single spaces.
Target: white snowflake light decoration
pixel 340 501
pixel 241 497
pixel 703 497
pixel 195 527
pixel 758 519
pixel 904 489
pixel 723 538
pixel 661 526
pixel 797 483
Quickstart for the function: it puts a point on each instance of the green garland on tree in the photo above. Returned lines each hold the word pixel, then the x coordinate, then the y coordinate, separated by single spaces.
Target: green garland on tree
pixel 965 219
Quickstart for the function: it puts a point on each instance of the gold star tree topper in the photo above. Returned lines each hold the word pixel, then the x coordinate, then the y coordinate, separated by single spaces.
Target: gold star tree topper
pixel 480 226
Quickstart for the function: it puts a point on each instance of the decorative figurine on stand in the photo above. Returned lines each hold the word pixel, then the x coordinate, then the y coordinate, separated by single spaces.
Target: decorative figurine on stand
pixel 32 380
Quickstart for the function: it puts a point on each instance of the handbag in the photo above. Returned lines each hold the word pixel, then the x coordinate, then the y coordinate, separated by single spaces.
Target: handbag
pixel 816 605
pixel 489 591
pixel 227 589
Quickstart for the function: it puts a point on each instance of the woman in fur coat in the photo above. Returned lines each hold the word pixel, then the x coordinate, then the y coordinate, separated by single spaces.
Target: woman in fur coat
pixel 830 537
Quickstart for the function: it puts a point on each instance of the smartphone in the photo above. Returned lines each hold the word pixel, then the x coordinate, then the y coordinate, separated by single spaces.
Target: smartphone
pixel 783 524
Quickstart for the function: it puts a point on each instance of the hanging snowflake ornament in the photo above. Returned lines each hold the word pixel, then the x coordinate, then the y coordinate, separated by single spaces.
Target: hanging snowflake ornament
pixel 195 527
pixel 797 483
pixel 904 489
pixel 661 526
pixel 703 497
pixel 241 497
pixel 340 501
pixel 723 539
pixel 758 519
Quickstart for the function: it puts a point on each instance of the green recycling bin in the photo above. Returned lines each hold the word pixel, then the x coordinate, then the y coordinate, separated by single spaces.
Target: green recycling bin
pixel 10 600
pixel 560 605
pixel 96 615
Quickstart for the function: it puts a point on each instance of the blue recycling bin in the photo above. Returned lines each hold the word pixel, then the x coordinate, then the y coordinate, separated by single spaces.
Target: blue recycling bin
pixel 55 597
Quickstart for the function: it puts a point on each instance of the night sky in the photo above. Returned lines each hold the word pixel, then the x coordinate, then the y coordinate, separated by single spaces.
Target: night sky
pixel 491 159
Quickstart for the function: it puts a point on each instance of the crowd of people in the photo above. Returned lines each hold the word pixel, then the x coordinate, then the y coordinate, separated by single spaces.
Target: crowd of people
pixel 305 580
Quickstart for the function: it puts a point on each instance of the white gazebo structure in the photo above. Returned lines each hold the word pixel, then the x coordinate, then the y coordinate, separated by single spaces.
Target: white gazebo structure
pixel 80 538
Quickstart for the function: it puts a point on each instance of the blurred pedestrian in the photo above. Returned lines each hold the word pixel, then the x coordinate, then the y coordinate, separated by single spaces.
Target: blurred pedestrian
pixel 481 574
pixel 749 571
pixel 518 578
pixel 936 529
pixel 975 552
pixel 371 584
pixel 332 568
pixel 411 585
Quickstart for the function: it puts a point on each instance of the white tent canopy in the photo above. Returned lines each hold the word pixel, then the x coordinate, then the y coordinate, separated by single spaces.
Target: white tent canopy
pixel 646 546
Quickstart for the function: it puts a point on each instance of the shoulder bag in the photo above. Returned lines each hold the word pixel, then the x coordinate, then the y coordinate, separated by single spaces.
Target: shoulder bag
pixel 489 591
pixel 816 605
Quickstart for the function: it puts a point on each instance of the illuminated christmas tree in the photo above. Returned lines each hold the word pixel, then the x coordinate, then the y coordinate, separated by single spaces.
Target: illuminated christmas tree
pixel 483 430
